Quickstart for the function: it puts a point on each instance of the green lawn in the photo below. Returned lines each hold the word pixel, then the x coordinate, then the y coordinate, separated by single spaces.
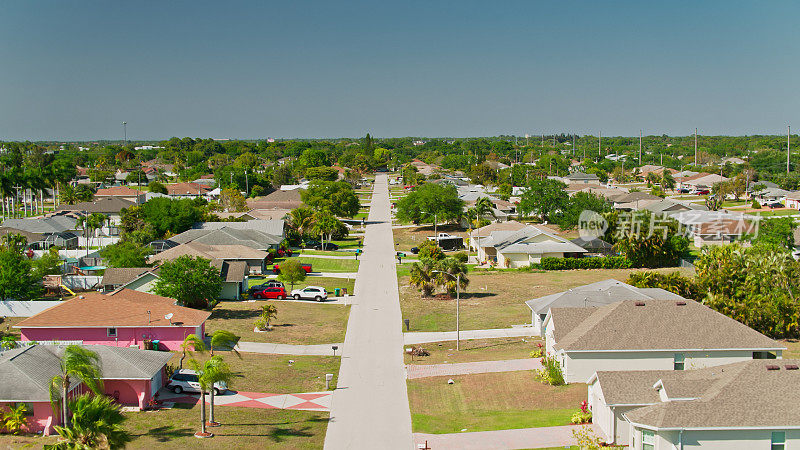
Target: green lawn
pixel 297 322
pixel 496 299
pixel 777 212
pixel 496 349
pixel 350 242
pixel 490 401
pixel 327 253
pixel 331 265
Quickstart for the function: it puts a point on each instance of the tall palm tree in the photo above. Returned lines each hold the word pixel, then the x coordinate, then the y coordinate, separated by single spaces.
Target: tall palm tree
pixel 301 220
pixel 224 339
pixel 96 423
pixel 215 370
pixel 210 372
pixel 325 223
pixel 77 364
pixel 191 343
pixel 457 271
pixel 421 276
pixel 483 208
pixel 67 195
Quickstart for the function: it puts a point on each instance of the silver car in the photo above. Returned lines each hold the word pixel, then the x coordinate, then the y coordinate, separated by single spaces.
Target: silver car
pixel 310 293
pixel 186 380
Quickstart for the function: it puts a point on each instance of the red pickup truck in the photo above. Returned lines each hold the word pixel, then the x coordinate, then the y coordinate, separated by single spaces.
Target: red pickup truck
pixel 277 268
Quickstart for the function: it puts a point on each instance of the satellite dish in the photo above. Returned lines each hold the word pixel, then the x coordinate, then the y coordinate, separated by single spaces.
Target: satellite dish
pixel 169 317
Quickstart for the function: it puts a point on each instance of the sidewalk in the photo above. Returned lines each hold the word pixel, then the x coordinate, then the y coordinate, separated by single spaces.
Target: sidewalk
pixel 421 337
pixel 289 349
pixel 414 371
pixel 501 439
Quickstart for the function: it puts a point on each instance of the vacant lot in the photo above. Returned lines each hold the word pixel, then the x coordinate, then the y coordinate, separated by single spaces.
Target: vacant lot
pixel 490 401
pixel 476 350
pixel 495 299
pixel 331 265
pixel 257 372
pixel 297 323
pixel 242 428
pixel 405 238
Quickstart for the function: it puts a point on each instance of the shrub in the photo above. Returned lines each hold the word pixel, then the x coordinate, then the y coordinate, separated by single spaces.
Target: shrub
pixel 582 416
pixel 755 204
pixel 461 257
pixel 13 420
pixel 608 262
pixel 539 352
pixel 550 373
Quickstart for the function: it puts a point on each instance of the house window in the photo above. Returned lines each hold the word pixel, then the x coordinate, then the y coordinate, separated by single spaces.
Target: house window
pixel 29 408
pixel 678 361
pixel 778 440
pixel 111 332
pixel 648 440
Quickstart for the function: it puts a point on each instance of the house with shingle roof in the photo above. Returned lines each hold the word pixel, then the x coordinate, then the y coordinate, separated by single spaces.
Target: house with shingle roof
pixel 649 335
pixel 274 227
pixel 136 278
pixel 255 259
pixel 591 296
pixel 121 318
pixel 581 178
pixel 44 232
pixel 280 199
pixel 521 248
pixel 187 190
pixel 125 193
pixel 130 376
pixel 748 404
pixel 252 238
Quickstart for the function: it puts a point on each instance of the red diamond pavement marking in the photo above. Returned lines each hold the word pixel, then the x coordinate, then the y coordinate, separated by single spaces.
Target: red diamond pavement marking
pixel 310 396
pixel 307 405
pixel 251 404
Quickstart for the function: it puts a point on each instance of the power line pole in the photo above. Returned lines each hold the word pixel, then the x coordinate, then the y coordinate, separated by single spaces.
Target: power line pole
pixel 640 147
pixel 788 146
pixel 125 132
pixel 695 146
pixel 599 143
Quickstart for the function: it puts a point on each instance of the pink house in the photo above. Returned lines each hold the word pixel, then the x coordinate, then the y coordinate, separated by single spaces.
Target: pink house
pixel 131 376
pixel 123 318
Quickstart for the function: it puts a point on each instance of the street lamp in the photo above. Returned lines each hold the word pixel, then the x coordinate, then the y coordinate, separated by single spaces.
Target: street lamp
pixel 458 301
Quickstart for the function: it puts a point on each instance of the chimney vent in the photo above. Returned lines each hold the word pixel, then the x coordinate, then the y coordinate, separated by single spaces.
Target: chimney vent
pixel 773 367
pixel 680 303
pixel 791 366
pixel 639 303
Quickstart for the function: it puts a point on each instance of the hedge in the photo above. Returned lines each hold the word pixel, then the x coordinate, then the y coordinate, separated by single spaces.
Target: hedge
pixel 605 262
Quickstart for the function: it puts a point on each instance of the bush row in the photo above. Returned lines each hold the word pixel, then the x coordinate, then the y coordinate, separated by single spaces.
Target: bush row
pixel 607 262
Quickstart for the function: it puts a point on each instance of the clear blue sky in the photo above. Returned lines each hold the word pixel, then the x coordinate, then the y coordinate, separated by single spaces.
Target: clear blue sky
pixel 77 69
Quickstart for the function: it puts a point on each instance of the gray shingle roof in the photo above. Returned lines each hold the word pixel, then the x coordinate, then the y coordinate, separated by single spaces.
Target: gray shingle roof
pixel 230 271
pixel 26 372
pixel 114 276
pixel 657 325
pixel 108 205
pixel 252 238
pixel 737 395
pixel 508 241
pixel 55 224
pixel 273 227
pixel 597 294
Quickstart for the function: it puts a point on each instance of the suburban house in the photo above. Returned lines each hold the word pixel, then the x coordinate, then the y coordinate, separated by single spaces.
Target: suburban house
pixel 252 238
pixel 123 192
pixel 714 227
pixel 234 276
pixel 136 278
pixel 592 295
pixel 771 195
pixel 632 201
pixel 748 404
pixel 523 247
pixel 649 335
pixel 43 233
pixel 667 206
pixel 594 246
pixel 110 206
pixel 792 200
pixel 581 178
pixel 125 318
pixel 503 210
pixel 280 199
pixel 130 376
pixel 511 225
pixel 275 227
pixel 255 259
pixel 187 190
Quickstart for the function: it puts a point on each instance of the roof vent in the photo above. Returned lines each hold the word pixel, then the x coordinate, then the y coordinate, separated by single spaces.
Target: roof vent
pixel 773 367
pixel 680 303
pixel 791 366
pixel 639 303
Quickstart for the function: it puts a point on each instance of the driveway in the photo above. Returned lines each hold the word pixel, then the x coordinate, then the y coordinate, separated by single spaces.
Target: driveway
pixel 501 439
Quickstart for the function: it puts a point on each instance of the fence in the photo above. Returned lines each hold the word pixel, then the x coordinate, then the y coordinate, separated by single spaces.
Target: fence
pixel 81 282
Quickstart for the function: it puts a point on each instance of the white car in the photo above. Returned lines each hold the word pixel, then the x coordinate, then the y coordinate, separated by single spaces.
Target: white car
pixel 185 380
pixel 310 293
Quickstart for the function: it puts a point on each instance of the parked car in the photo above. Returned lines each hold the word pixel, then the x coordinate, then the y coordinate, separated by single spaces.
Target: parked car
pixel 326 246
pixel 186 380
pixel 775 205
pixel 415 250
pixel 310 293
pixel 274 283
pixel 683 191
pixel 256 288
pixel 311 244
pixel 702 192
pixel 277 268
pixel 271 292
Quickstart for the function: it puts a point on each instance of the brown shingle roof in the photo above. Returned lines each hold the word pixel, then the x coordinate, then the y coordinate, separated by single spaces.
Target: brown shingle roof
pixel 230 271
pixel 658 325
pixel 118 191
pixel 290 199
pixel 210 252
pixel 186 189
pixel 106 205
pixel 122 308
pixel 114 276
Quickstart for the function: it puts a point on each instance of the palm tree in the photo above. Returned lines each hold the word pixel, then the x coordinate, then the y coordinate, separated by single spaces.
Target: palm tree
pixel 224 339
pixel 301 220
pixel 77 364
pixel 421 276
pixel 667 181
pixel 325 223
pixel 96 423
pixel 452 267
pixel 67 194
pixel 651 179
pixel 191 343
pixel 210 372
pixel 483 208
pixel 215 370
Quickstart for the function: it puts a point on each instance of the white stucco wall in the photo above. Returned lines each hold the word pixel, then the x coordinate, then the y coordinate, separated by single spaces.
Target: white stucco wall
pixel 579 367
pixel 714 439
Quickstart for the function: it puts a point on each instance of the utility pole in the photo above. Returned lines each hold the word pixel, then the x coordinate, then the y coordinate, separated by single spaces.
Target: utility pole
pixel 695 146
pixel 640 147
pixel 573 144
pixel 125 133
pixel 599 143
pixel 542 139
pixel 788 146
